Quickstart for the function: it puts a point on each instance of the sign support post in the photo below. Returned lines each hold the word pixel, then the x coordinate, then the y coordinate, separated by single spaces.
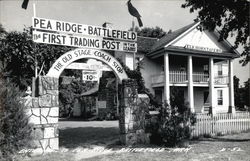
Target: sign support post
pixel 35 49
pixel 134 54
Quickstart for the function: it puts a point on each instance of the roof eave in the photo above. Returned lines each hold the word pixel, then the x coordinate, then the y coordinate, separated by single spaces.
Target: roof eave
pixel 216 31
pixel 205 53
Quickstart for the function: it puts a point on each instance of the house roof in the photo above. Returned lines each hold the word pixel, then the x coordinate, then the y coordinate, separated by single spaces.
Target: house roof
pixel 170 37
pixel 154 47
pixel 165 44
pixel 144 44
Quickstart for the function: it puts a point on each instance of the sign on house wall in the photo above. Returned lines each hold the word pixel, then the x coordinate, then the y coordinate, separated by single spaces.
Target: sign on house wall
pixel 187 46
pixel 80 35
pixel 200 40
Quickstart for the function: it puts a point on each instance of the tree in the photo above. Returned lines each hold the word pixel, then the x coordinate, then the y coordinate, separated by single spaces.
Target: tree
pixel 241 94
pixel 15 131
pixel 230 17
pixel 239 102
pixel 246 96
pixel 2 30
pixel 19 56
pixel 156 32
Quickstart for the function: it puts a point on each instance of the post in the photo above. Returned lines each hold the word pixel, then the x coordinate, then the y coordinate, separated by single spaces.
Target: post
pixel 166 79
pixel 211 85
pixel 231 87
pixel 134 54
pixel 190 84
pixel 34 12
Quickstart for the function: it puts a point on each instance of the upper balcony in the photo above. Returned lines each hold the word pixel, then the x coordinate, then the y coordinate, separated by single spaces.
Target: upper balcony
pixel 180 77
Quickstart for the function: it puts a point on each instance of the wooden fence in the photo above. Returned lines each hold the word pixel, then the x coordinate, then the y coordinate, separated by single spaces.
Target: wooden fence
pixel 221 124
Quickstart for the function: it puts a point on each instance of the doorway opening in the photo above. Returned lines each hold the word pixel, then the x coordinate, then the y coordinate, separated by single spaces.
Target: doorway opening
pixel 88 105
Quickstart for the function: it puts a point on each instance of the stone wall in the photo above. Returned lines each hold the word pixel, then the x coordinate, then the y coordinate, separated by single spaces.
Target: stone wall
pixel 43 111
pixel 132 114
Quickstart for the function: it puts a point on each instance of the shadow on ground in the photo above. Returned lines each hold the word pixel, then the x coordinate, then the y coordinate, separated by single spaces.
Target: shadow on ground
pixel 215 139
pixel 88 136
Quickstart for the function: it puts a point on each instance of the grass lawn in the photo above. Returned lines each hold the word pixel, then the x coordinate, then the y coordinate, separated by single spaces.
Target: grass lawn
pixel 82 142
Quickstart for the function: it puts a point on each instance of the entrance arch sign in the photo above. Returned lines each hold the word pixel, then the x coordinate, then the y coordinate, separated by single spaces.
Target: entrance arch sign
pixel 66 59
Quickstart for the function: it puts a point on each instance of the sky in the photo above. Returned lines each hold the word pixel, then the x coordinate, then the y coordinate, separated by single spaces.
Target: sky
pixel 166 14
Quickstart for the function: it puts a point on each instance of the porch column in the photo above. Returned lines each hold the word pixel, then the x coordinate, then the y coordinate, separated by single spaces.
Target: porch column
pixel 166 79
pixel 190 84
pixel 211 85
pixel 231 87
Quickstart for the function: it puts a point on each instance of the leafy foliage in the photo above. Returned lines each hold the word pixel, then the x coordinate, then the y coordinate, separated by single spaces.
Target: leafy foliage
pixel 68 93
pixel 137 75
pixel 19 56
pixel 241 94
pixel 232 16
pixel 14 128
pixel 156 32
pixel 173 125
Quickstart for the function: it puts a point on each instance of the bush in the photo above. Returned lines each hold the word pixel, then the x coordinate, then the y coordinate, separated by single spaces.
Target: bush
pixel 173 125
pixel 14 128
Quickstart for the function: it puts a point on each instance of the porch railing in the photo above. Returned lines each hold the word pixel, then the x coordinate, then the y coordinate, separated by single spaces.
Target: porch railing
pixel 223 79
pixel 174 77
pixel 200 77
pixel 177 76
pixel 224 123
pixel 181 77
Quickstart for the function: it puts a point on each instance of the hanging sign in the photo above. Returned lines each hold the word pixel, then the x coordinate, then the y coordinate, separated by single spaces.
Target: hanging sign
pixel 80 41
pixel 81 29
pixel 91 75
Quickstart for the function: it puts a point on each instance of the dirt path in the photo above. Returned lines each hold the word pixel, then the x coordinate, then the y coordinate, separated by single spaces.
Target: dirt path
pixel 87 134
pixel 93 141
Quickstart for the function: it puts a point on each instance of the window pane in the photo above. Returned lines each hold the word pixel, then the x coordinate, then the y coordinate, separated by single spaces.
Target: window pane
pixel 220 69
pixel 219 97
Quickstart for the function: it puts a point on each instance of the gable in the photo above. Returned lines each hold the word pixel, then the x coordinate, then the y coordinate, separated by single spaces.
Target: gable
pixel 201 40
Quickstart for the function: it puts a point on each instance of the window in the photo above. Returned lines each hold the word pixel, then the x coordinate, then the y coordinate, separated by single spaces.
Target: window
pixel 158 95
pixel 205 96
pixel 220 69
pixel 219 97
pixel 205 69
pixel 182 68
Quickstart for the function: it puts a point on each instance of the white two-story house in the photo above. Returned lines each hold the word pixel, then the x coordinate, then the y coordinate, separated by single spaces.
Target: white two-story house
pixel 193 61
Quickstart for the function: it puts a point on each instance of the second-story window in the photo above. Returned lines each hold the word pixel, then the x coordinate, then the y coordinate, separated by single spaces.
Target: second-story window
pixel 220 69
pixel 182 68
pixel 205 68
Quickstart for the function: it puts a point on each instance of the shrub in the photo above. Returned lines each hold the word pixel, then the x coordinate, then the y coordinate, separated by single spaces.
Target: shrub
pixel 14 128
pixel 173 125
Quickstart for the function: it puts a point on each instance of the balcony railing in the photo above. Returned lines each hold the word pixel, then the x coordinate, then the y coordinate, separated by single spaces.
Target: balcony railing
pixel 222 79
pixel 177 76
pixel 200 77
pixel 181 77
